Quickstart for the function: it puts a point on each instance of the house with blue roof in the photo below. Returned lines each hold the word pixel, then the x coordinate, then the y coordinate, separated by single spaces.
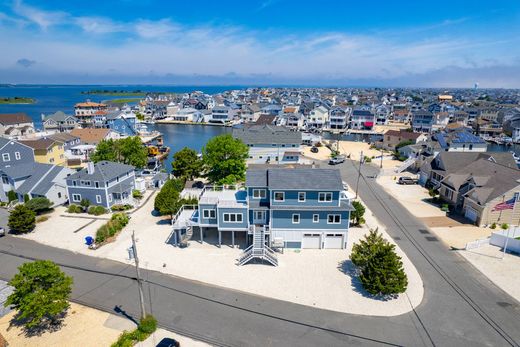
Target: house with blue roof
pixel 123 121
pixel 104 183
pixel 277 207
pixel 460 140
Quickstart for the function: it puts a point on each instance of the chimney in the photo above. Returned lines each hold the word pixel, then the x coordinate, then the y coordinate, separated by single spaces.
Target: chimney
pixel 90 167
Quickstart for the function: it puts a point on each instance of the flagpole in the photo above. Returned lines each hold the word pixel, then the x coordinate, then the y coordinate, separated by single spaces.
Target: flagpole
pixel 515 197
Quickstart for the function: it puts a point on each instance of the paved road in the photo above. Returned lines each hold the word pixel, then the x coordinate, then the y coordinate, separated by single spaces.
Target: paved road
pixel 460 307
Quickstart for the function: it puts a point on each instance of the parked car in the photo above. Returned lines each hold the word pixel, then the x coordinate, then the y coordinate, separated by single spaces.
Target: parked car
pixel 407 180
pixel 2 232
pixel 337 160
pixel 314 149
pixel 167 342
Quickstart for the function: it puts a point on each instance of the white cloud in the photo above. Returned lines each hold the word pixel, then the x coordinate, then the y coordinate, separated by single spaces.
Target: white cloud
pixel 155 29
pixel 98 25
pixel 42 18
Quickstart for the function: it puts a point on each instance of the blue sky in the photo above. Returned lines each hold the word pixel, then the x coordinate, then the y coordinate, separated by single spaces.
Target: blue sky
pixel 377 43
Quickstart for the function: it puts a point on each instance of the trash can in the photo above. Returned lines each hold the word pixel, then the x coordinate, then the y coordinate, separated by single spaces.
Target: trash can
pixel 89 240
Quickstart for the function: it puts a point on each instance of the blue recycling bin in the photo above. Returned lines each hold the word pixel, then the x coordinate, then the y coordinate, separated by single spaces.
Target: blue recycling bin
pixel 89 240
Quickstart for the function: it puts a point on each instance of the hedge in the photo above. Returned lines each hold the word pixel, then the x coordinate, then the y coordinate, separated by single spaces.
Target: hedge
pixel 96 210
pixel 112 227
pixel 75 209
pixel 122 207
pixel 146 327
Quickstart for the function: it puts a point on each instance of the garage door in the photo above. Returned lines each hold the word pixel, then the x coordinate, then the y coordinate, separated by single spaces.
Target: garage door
pixel 471 214
pixel 333 241
pixel 311 241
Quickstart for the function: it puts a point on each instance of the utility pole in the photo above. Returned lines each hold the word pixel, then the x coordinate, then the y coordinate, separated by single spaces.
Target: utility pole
pixel 139 282
pixel 359 172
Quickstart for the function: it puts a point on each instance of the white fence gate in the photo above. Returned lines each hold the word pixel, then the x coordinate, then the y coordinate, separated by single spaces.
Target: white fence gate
pixel 476 244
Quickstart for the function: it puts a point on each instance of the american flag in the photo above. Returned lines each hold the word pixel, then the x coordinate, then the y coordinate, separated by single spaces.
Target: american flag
pixel 506 205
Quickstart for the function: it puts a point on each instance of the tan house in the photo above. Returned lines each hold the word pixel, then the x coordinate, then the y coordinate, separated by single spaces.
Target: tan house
pixel 394 137
pixel 484 191
pixel 93 136
pixel 15 124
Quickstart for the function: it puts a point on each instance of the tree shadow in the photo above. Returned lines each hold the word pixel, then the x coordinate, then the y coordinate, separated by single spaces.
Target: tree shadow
pixel 349 269
pixel 48 324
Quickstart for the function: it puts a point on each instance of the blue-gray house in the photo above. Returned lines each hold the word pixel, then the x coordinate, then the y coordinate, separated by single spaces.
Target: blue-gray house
pixel 124 122
pixel 104 183
pixel 295 208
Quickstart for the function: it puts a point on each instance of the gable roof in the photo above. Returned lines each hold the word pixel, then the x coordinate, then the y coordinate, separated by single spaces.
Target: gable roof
pixel 63 137
pixel 403 134
pixel 38 175
pixel 91 135
pixel 267 134
pixel 39 144
pixel 265 119
pixel 295 178
pixel 103 171
pixel 14 118
pixel 58 116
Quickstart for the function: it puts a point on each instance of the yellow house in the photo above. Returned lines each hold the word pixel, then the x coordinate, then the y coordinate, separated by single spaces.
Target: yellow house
pixel 47 151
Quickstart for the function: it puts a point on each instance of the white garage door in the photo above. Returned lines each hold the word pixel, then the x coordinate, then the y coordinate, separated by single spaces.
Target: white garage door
pixel 333 240
pixel 311 241
pixel 471 214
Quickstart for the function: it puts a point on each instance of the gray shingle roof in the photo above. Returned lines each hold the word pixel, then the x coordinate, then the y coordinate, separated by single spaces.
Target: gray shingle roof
pixel 20 170
pixel 38 171
pixel 43 187
pixel 103 171
pixel 267 134
pixel 295 178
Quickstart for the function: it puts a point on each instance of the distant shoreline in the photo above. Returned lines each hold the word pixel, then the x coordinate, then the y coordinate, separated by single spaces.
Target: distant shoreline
pixel 191 123
pixel 16 101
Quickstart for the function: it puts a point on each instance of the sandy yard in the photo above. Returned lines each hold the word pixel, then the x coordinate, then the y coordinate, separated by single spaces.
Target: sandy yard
pixel 323 273
pixel 412 197
pixel 83 326
pixel 459 236
pixel 323 153
pixel 503 272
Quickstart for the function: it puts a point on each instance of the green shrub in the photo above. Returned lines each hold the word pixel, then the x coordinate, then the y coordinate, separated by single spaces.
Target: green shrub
pixel 368 160
pixel 26 198
pixel 124 340
pixel 445 207
pixel 493 226
pixel 137 194
pixel 74 209
pixel 96 210
pixel 11 195
pixel 85 203
pixel 116 223
pixel 504 226
pixel 39 204
pixel 122 207
pixel 148 324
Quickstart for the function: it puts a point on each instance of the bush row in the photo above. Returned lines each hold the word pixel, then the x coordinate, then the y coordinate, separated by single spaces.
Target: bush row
pixel 122 207
pixel 112 227
pixel 97 210
pixel 146 327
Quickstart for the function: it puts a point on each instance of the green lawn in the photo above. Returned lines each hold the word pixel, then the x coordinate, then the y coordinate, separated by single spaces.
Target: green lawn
pixel 123 101
pixel 115 92
pixel 17 100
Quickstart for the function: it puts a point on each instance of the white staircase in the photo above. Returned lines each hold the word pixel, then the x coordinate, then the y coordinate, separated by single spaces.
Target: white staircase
pixel 405 165
pixel 258 250
pixel 187 236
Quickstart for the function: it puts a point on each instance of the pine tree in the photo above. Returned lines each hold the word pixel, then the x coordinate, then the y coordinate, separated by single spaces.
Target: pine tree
pixel 380 269
pixel 22 219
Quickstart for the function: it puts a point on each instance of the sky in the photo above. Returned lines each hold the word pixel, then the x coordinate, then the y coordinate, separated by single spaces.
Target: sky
pixel 266 42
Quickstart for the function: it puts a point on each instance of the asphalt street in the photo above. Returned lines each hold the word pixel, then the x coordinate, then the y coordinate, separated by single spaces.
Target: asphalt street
pixel 460 307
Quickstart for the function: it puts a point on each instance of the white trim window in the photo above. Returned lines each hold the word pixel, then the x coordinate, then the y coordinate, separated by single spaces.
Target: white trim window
pixel 76 197
pixel 333 219
pixel 315 218
pixel 17 155
pixel 259 215
pixel 279 196
pixel 6 157
pixel 209 214
pixel 325 196
pixel 259 193
pixel 98 199
pixel 302 196
pixel 233 217
pixel 296 218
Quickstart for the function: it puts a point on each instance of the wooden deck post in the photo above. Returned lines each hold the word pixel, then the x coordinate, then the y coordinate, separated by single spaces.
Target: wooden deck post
pixel 233 238
pixel 219 238
pixel 201 235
